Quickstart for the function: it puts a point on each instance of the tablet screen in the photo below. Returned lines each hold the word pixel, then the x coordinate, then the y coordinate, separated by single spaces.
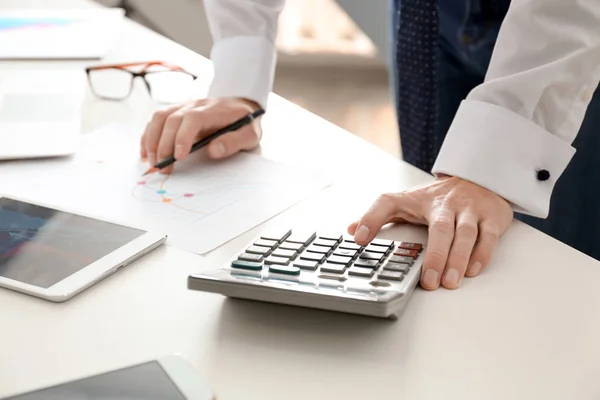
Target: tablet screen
pixel 145 381
pixel 41 246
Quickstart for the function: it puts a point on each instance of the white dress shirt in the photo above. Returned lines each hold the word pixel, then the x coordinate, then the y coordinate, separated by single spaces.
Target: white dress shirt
pixel 522 119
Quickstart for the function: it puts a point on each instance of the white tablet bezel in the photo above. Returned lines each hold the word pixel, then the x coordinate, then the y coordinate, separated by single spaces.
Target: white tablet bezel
pixel 94 272
pixel 185 377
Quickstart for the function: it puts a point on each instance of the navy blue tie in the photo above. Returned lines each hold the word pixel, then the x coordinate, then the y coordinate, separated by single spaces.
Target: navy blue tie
pixel 417 62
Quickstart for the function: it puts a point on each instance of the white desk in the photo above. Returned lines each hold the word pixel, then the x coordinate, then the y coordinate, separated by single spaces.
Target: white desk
pixel 528 328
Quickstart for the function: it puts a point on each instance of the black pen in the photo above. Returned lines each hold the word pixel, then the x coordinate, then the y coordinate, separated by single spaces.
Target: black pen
pixel 204 141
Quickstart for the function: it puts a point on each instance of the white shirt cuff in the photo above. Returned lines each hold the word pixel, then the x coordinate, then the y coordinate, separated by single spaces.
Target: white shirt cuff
pixel 244 66
pixel 502 151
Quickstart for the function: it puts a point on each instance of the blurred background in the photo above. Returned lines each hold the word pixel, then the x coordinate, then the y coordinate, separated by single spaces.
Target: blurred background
pixel 333 57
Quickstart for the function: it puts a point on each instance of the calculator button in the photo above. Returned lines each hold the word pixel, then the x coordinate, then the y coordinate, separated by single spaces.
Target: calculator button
pixel 334 237
pixel 401 260
pixel 285 253
pixel 349 246
pixel 333 277
pixel 302 237
pixel 358 271
pixel 391 275
pixel 365 255
pixel 345 253
pixel 283 269
pixel 265 251
pixel 276 235
pixel 253 266
pixel 250 257
pixel 367 263
pixel 382 242
pixel 349 238
pixel 313 257
pixel 306 264
pixel 380 283
pixel 410 246
pixel 290 246
pixel 377 249
pixel 277 260
pixel 406 253
pixel 345 261
pixel 319 249
pixel 266 243
pixel 335 268
pixel 391 266
pixel 324 243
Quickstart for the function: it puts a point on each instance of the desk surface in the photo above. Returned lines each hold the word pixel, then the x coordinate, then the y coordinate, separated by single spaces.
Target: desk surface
pixel 527 328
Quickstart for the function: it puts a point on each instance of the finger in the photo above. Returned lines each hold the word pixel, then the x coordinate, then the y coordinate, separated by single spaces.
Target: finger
pixel 154 131
pixel 441 234
pixel 245 138
pixel 465 237
pixel 489 235
pixel 143 151
pixel 380 213
pixel 166 146
pixel 353 226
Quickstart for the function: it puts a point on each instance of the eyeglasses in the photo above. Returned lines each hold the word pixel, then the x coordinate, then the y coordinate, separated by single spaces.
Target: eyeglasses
pixel 165 82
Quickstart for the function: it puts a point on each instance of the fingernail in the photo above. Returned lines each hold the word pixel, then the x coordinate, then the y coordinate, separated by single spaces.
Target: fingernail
pixel 219 149
pixel 430 279
pixel 178 151
pixel 451 277
pixel 362 233
pixel 475 268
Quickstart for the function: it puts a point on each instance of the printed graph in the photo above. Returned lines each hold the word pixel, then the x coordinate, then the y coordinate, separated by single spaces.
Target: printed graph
pixel 17 23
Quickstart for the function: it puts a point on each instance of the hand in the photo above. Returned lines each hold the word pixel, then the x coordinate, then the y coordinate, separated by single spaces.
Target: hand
pixel 174 130
pixel 465 223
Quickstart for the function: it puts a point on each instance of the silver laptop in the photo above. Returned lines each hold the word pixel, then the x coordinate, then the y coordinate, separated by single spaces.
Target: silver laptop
pixel 40 112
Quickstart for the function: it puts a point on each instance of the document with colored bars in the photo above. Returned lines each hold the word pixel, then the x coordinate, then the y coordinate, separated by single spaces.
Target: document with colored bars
pixel 202 205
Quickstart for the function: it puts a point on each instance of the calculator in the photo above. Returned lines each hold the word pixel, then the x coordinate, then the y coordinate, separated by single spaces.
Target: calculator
pixel 322 270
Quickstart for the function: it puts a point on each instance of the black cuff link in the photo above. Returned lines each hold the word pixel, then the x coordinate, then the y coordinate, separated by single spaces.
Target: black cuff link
pixel 543 175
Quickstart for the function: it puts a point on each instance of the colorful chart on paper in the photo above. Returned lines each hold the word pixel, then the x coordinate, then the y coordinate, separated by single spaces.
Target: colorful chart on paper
pixel 17 23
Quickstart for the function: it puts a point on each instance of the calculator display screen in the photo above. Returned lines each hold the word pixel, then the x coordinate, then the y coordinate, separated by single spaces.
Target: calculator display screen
pixel 146 381
pixel 41 246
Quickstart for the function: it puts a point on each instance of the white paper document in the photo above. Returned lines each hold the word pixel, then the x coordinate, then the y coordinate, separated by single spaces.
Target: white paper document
pixel 201 205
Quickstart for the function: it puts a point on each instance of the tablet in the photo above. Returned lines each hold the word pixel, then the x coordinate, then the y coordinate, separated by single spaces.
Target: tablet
pixel 54 254
pixel 170 377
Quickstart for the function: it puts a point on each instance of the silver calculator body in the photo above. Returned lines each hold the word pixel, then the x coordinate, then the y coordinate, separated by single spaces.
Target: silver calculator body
pixel 320 270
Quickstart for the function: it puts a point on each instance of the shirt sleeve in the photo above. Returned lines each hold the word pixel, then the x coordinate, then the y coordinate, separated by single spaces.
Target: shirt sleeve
pixel 524 117
pixel 243 52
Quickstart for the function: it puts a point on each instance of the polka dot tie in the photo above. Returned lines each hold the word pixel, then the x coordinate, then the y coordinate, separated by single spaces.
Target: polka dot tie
pixel 416 58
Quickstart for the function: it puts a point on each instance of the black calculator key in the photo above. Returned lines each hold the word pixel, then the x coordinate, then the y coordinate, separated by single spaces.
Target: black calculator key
pixel 366 255
pixel 377 249
pixel 392 266
pixel 304 238
pixel 324 243
pixel 318 257
pixel 401 260
pixel 359 271
pixel 345 261
pixel 373 264
pixel 345 253
pixel 349 246
pixel 250 257
pixel 266 243
pixel 319 249
pixel 240 264
pixel 335 268
pixel 335 237
pixel 276 235
pixel 283 269
pixel 264 251
pixel 306 264
pixel 277 260
pixel 382 242
pixel 391 275
pixel 285 253
pixel 290 246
